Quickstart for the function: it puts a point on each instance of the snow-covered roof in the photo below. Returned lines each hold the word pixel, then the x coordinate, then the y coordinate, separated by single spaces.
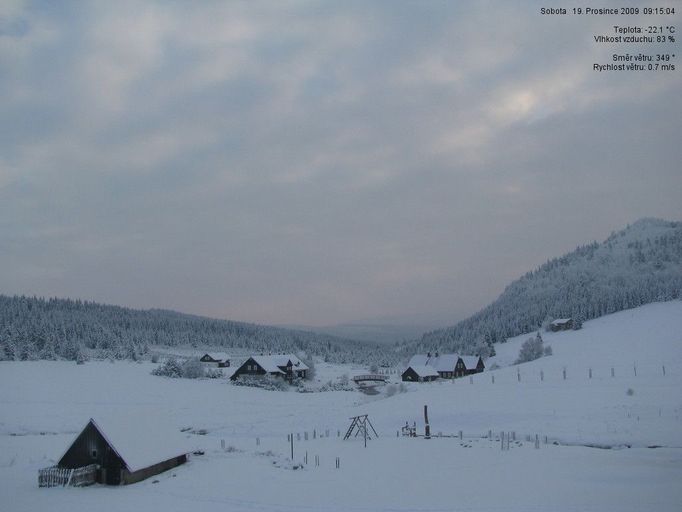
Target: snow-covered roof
pixel 272 363
pixel 141 441
pixel 418 359
pixel 560 321
pixel 424 370
pixel 470 361
pixel 442 363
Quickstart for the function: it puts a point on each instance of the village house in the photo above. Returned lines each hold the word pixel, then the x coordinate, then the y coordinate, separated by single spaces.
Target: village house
pixel 125 451
pixel 561 324
pixel 287 366
pixel 471 364
pixel 219 359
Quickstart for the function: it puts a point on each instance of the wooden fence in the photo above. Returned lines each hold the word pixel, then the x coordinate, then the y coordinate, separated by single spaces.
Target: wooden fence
pixel 60 477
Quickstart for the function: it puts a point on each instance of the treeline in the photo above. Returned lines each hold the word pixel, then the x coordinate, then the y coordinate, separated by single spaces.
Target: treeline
pixel 638 265
pixel 39 328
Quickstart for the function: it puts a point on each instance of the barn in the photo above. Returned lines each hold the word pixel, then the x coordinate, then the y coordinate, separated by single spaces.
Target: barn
pixel 420 373
pixel 287 366
pixel 561 324
pixel 124 450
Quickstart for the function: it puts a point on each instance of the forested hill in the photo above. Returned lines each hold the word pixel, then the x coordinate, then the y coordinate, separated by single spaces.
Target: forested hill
pixel 37 328
pixel 638 265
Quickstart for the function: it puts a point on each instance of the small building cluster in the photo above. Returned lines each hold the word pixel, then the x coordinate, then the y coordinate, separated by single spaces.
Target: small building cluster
pixel 287 366
pixel 428 367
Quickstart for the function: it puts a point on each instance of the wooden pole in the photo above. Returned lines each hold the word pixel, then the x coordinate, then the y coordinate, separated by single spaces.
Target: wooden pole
pixel 427 428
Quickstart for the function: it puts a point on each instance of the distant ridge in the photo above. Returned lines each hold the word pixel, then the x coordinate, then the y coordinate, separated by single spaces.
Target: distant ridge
pixel 39 328
pixel 635 266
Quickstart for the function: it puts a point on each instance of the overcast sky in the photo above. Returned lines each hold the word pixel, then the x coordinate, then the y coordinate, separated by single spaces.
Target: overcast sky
pixel 317 162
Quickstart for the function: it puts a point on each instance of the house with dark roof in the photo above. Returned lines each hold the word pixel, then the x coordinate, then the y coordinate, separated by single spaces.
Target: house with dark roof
pixel 287 366
pixel 125 451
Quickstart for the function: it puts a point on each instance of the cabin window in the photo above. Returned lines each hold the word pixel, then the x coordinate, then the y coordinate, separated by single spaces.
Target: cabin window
pixel 93 454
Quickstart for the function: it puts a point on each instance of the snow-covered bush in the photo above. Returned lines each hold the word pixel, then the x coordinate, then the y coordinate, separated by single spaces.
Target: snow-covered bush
pixel 548 350
pixel 213 373
pixel 269 382
pixel 531 350
pixel 630 392
pixel 170 368
pixel 192 369
pixel 155 358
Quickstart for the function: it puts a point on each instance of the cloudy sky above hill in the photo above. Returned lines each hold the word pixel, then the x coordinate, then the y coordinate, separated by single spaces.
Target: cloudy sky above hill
pixel 317 162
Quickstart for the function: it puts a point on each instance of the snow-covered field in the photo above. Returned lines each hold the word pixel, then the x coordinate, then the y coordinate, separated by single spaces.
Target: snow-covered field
pixel 43 404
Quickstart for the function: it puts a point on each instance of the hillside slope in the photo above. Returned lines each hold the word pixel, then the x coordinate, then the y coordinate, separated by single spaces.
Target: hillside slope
pixel 635 266
pixel 37 328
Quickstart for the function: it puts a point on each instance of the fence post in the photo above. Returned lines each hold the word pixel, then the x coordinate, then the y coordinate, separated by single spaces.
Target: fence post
pixel 222 443
pixel 613 372
pixel 518 374
pixel 461 435
pixel 590 373
pixel 493 378
pixel 542 375
pixel 663 370
pixel 564 372
pixel 537 442
pixel 634 367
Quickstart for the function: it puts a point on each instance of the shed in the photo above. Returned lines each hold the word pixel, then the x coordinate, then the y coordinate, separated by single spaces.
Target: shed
pixel 561 324
pixel 419 373
pixel 125 451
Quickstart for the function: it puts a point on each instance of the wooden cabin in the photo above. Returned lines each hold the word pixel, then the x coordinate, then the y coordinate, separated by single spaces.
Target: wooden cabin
pixel 467 365
pixel 561 324
pixel 287 366
pixel 215 359
pixel 124 451
pixel 419 373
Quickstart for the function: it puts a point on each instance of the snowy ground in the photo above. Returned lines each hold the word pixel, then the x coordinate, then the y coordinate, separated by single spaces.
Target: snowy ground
pixel 43 405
